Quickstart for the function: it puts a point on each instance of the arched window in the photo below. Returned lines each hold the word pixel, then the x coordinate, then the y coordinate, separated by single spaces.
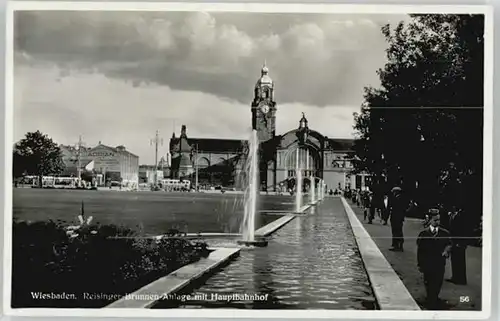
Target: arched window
pixel 203 162
pixel 305 159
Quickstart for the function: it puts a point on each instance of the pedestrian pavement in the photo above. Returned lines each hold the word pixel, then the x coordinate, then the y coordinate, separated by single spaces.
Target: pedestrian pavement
pixel 457 297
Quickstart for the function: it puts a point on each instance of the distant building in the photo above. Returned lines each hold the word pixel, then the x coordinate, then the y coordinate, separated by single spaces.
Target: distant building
pixel 221 161
pixel 147 173
pixel 107 164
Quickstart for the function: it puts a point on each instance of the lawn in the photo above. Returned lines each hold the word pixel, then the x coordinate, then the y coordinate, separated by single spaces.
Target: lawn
pixel 149 213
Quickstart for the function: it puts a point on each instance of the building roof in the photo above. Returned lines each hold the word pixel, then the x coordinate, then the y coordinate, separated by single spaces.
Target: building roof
pixel 214 144
pixel 72 149
pixel 118 149
pixel 236 145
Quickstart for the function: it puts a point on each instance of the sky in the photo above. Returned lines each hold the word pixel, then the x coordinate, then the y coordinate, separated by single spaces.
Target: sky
pixel 117 77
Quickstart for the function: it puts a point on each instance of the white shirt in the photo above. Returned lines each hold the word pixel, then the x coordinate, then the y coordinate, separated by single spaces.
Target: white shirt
pixel 434 229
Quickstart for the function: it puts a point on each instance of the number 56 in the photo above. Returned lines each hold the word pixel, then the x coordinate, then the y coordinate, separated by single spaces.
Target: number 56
pixel 464 299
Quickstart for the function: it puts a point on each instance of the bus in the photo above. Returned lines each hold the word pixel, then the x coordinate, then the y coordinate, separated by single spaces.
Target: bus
pixel 52 181
pixel 171 184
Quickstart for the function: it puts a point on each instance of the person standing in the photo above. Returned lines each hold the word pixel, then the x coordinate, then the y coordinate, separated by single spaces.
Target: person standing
pixel 365 202
pixel 380 206
pixel 433 248
pixel 397 208
pixel 372 207
pixel 459 240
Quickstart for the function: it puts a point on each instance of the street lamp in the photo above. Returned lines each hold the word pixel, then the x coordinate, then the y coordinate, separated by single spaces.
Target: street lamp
pixel 156 141
pixel 196 167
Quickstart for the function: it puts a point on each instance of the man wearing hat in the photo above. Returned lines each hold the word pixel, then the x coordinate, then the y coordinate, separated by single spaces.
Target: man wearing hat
pixel 397 208
pixel 434 246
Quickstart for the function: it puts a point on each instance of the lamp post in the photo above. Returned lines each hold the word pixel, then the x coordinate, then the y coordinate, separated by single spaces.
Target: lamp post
pixel 196 168
pixel 80 145
pixel 156 141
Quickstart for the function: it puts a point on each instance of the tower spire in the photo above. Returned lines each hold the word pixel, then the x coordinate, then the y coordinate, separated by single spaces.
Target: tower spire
pixel 264 70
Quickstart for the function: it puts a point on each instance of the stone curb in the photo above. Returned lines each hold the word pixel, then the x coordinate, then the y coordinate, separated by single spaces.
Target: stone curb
pixel 389 290
pixel 279 223
pixel 155 291
pixel 274 226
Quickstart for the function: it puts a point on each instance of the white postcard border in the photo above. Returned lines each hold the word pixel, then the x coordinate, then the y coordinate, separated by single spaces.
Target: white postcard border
pixel 256 8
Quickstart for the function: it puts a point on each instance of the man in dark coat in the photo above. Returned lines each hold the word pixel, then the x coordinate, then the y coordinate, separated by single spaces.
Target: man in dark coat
pixel 397 209
pixel 365 202
pixel 458 230
pixel 372 207
pixel 378 201
pixel 434 246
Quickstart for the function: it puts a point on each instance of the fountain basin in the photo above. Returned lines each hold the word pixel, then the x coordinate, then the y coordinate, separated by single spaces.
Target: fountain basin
pixel 207 235
pixel 258 242
pixel 283 213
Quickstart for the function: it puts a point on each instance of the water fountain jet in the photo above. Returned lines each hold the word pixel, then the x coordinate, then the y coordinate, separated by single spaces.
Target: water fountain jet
pixel 251 195
pixel 298 195
pixel 313 190
pixel 320 190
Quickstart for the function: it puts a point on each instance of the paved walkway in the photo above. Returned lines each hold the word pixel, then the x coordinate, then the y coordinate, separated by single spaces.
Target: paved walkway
pixel 405 265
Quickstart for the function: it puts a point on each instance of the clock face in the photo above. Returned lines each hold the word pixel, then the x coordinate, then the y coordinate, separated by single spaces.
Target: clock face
pixel 264 109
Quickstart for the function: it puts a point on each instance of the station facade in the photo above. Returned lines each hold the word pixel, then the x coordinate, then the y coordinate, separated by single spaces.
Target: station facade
pixel 221 161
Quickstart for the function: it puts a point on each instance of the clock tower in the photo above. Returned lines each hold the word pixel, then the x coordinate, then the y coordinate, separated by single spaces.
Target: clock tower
pixel 264 107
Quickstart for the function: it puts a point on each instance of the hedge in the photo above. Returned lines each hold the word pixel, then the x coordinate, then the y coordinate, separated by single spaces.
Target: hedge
pixel 98 261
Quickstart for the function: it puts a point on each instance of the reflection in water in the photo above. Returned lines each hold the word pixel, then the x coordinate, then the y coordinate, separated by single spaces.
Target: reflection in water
pixel 311 263
pixel 263 281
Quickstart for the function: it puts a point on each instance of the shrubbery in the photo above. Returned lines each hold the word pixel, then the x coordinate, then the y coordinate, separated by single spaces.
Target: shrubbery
pixel 95 259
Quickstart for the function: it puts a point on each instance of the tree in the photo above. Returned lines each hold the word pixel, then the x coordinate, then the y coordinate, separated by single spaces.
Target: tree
pixel 87 176
pixel 434 61
pixel 38 155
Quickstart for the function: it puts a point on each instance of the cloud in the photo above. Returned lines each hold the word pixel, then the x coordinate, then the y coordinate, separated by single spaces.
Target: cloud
pixel 116 77
pixel 315 59
pixel 117 112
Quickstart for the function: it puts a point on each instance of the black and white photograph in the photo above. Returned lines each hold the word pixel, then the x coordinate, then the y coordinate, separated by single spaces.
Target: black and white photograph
pixel 255 160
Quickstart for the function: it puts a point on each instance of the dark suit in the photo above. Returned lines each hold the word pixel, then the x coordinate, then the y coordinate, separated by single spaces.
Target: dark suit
pixel 373 209
pixel 431 261
pixel 397 208
pixel 377 201
pixel 366 201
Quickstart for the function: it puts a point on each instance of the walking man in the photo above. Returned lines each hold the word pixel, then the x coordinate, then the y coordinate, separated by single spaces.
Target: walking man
pixel 378 200
pixel 372 207
pixel 434 245
pixel 397 209
pixel 365 202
